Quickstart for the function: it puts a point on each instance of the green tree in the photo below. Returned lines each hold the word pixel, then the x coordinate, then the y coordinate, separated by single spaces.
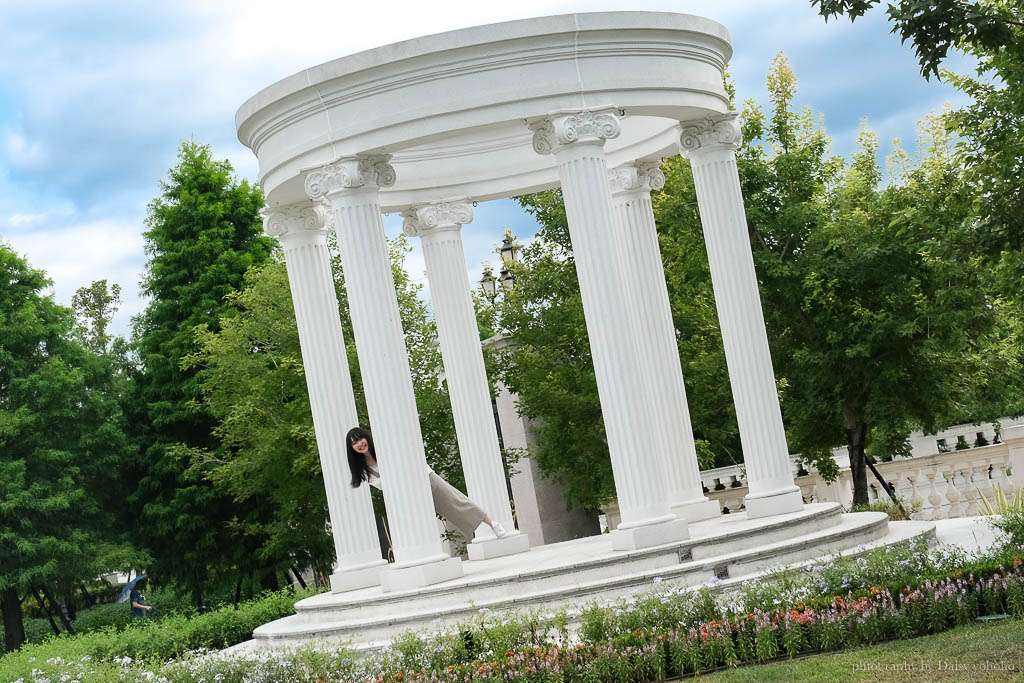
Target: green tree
pixel 204 232
pixel 94 307
pixel 880 317
pixel 550 367
pixel 253 383
pixel 935 28
pixel 876 308
pixel 990 148
pixel 61 442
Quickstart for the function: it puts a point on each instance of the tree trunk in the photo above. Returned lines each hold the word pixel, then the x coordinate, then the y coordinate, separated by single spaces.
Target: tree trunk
pixel 42 603
pixel 856 436
pixel 61 608
pixel 238 591
pixel 268 580
pixel 298 577
pixel 89 600
pixel 197 599
pixel 14 626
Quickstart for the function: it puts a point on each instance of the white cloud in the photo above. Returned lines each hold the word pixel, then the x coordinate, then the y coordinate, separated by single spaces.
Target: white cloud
pixel 23 152
pixel 94 98
pixel 78 253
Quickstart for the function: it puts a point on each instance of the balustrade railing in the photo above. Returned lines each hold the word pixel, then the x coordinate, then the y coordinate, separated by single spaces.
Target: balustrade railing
pixel 937 486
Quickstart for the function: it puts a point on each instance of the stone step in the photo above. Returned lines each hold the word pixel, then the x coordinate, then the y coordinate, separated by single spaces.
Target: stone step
pixel 327 636
pixel 368 625
pixel 585 560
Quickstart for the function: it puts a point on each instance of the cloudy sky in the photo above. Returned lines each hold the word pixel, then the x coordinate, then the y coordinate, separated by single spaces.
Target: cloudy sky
pixel 95 97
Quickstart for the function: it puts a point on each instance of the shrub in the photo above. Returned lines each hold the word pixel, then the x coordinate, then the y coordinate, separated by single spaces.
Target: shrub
pixel 1012 525
pixel 160 639
pixel 901 512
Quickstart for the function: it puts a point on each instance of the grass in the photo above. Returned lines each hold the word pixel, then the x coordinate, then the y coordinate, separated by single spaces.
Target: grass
pixel 977 652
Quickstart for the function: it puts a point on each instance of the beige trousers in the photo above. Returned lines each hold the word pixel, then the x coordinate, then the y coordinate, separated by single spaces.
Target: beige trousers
pixel 454 506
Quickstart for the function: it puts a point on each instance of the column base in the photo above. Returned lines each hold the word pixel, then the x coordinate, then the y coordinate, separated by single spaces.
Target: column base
pixel 419 575
pixel 697 510
pixel 362 577
pixel 779 502
pixel 498 547
pixel 635 538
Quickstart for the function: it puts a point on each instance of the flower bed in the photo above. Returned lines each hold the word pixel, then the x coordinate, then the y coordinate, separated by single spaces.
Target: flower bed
pixel 667 633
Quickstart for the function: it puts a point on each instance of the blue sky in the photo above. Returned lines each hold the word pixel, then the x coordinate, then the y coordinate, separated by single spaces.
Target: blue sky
pixel 95 97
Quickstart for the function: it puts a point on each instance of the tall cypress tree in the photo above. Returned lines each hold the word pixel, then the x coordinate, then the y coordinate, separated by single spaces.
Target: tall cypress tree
pixel 204 233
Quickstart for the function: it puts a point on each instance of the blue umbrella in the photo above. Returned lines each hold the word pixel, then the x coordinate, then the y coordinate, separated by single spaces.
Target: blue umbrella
pixel 127 590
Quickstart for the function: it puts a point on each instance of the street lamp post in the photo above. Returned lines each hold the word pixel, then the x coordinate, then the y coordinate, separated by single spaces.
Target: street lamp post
pixel 488 285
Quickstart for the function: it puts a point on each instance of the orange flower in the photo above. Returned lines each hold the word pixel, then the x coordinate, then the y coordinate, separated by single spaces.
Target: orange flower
pixel 1018 562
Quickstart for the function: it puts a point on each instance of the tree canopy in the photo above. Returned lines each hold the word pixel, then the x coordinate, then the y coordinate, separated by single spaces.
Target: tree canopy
pixel 204 232
pixel 881 316
pixel 62 442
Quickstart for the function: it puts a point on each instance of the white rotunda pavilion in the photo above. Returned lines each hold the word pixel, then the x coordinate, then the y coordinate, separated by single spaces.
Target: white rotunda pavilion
pixel 591 103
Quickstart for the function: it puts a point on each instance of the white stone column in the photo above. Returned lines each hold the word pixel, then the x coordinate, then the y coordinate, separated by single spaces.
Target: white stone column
pixel 439 227
pixel 302 231
pixel 711 145
pixel 577 141
pixel 655 335
pixel 351 185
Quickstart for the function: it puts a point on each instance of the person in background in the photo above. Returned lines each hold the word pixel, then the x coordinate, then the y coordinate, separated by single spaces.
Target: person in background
pixel 138 600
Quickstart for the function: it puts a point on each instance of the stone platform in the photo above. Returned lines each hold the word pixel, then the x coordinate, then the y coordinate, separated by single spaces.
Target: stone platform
pixel 723 550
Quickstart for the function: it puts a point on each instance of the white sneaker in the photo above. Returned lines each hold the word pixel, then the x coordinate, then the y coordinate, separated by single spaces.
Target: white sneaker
pixel 499 530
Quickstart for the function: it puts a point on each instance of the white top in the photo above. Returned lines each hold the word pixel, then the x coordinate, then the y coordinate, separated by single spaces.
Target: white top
pixel 373 479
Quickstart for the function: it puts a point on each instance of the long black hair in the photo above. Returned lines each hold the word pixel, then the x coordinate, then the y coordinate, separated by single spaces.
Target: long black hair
pixel 357 461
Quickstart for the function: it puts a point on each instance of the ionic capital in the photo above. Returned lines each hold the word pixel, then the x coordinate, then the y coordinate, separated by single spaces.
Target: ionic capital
pixel 558 130
pixel 711 132
pixel 349 173
pixel 421 219
pixel 293 219
pixel 640 175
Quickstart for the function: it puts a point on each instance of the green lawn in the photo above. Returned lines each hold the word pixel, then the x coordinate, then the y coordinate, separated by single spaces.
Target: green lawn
pixel 983 652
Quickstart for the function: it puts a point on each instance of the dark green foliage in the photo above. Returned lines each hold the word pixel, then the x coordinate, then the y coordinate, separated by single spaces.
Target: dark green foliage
pixel 550 367
pixel 61 443
pixel 204 232
pixel 935 28
pixel 159 640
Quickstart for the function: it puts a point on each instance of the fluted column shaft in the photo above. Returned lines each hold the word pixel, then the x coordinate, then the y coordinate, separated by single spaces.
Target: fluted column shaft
pixel 577 141
pixel 351 186
pixel 655 336
pixel 302 231
pixel 439 227
pixel 711 146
